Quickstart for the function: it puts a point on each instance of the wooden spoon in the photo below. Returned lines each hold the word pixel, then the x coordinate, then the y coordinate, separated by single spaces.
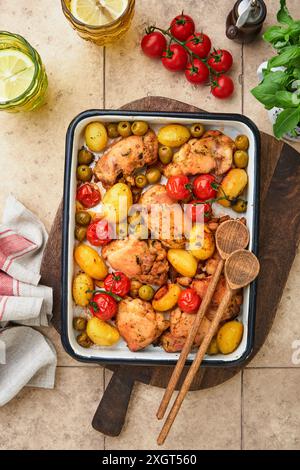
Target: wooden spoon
pixel 241 268
pixel 231 235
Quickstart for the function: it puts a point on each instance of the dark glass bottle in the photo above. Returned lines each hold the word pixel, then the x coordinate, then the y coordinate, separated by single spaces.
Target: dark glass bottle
pixel 252 27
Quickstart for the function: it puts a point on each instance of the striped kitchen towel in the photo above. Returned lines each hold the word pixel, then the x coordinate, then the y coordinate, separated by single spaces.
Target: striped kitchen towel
pixel 27 358
pixel 22 242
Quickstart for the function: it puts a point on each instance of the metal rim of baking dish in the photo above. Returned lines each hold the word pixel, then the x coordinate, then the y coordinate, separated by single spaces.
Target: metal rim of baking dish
pixel 65 234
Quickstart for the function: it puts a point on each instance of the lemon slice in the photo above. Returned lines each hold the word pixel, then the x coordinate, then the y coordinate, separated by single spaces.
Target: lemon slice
pixel 16 74
pixel 97 12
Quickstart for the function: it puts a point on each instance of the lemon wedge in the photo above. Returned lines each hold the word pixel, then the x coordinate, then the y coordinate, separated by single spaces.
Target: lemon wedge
pixel 97 12
pixel 16 74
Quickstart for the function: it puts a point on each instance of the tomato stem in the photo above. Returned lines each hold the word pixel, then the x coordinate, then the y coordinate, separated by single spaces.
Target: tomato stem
pixel 192 55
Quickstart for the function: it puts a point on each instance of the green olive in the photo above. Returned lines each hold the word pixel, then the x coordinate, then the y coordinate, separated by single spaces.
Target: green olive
pixel 141 181
pixel 112 130
pixel 153 175
pixel 82 218
pixel 197 130
pixel 84 173
pixel 146 292
pixel 241 158
pixel 165 154
pixel 139 128
pixel 85 157
pixel 79 323
pixel 242 142
pixel 80 233
pixel 124 128
pixel 83 340
pixel 240 205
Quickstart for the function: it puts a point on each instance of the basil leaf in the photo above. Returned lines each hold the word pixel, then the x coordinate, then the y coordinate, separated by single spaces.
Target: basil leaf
pixel 286 121
pixel 289 54
pixel 265 93
pixel 279 77
pixel 286 99
pixel 283 16
pixel 273 34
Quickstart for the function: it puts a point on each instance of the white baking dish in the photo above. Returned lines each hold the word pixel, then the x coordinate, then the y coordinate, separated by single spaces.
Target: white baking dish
pixel 231 125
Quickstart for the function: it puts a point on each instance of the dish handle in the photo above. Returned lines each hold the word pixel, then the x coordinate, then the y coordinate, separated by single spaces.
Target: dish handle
pixel 111 412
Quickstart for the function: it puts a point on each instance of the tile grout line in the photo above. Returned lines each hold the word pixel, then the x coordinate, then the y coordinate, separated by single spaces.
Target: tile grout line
pixel 242 410
pixel 104 387
pixel 242 77
pixel 103 77
pixel 104 105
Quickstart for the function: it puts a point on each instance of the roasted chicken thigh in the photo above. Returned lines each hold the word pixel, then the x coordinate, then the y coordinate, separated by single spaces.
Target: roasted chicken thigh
pixel 139 324
pixel 211 154
pixel 145 261
pixel 125 156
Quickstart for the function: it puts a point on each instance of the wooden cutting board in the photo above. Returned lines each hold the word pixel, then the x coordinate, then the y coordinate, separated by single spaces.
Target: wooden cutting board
pixel 279 237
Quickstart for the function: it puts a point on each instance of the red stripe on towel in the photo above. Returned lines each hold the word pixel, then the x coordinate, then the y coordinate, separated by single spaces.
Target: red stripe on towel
pixel 6 284
pixel 13 246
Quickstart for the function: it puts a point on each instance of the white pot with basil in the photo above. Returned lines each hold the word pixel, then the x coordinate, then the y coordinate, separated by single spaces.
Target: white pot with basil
pixel 279 87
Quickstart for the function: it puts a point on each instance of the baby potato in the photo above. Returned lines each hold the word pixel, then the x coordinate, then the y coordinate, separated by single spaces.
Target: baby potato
pixel 202 242
pixel 229 336
pixel 116 202
pixel 102 333
pixel 213 347
pixel 82 283
pixel 90 262
pixel 183 261
pixel 173 135
pixel 232 186
pixel 166 297
pixel 96 136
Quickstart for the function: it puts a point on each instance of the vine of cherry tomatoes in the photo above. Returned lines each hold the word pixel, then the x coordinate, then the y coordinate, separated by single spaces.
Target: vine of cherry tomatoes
pixel 182 48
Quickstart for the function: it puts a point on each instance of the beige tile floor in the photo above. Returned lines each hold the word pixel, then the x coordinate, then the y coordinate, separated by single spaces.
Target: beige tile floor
pixel 257 409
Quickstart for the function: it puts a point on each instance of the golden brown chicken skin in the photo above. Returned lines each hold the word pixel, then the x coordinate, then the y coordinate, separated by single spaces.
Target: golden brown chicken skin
pixel 126 156
pixel 139 324
pixel 166 221
pixel 145 261
pixel 212 154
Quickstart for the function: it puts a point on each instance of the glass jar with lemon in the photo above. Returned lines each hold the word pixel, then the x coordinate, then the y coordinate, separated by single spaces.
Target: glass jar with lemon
pixel 99 21
pixel 23 79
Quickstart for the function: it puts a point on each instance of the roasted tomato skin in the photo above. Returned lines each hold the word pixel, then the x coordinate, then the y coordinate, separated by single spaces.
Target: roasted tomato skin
pixel 178 187
pixel 204 187
pixel 189 301
pixel 103 306
pixel 117 283
pixel 89 195
pixel 99 233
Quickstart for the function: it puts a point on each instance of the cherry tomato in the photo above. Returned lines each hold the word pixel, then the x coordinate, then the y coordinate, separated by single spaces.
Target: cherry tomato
pixel 175 58
pixel 197 72
pixel 88 194
pixel 154 44
pixel 99 233
pixel 199 44
pixel 189 301
pixel 103 306
pixel 178 187
pixel 222 87
pixel 204 187
pixel 117 283
pixel 182 27
pixel 220 60
pixel 198 209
